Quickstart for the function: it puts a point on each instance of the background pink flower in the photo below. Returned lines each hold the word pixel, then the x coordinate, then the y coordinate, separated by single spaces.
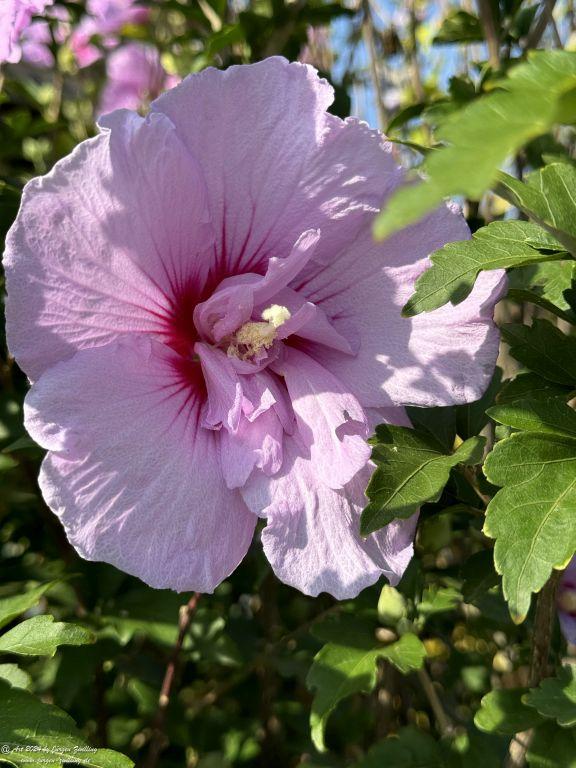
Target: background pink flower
pixel 567 602
pixel 105 19
pixel 135 76
pixel 15 17
pixel 212 333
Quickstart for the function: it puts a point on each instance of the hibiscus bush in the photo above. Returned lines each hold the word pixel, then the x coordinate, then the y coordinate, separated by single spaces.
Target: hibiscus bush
pixel 287 427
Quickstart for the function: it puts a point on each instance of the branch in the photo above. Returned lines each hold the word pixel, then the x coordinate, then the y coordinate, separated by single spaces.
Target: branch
pixel 539 669
pixel 368 33
pixel 444 723
pixel 158 740
pixel 544 18
pixel 490 32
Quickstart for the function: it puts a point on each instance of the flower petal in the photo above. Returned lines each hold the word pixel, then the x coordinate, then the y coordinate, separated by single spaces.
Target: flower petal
pixel 437 358
pixel 137 482
pixel 330 421
pixel 102 244
pixel 313 540
pixel 307 168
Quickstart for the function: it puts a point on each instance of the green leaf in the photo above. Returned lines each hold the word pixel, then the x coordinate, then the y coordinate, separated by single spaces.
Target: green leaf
pixel 549 281
pixel 529 386
pixel 15 676
pixel 552 747
pixel 544 349
pixel 459 27
pixel 406 654
pixel 11 607
pixel 438 600
pixel 455 267
pixel 347 665
pixel 535 96
pixel 532 516
pixel 27 722
pixel 547 197
pixel 41 636
pixel 529 297
pixel 411 468
pixel 338 671
pixel 410 748
pixel 552 416
pixel 503 712
pixel 556 697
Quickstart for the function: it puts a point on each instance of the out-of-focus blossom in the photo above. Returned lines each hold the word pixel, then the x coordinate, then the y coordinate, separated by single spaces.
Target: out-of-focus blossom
pixel 135 76
pixel 213 333
pixel 567 602
pixel 104 21
pixel 36 44
pixel 15 17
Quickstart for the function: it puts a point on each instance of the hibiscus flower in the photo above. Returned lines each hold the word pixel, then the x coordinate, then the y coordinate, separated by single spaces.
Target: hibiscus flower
pixel 15 18
pixel 134 77
pixel 212 333
pixel 104 21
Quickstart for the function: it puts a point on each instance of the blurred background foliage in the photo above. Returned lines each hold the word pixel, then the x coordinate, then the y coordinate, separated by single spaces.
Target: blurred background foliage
pixel 402 673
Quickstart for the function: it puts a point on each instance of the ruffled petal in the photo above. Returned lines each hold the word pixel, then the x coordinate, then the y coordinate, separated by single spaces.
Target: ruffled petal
pixel 330 421
pixel 103 244
pixel 307 168
pixel 224 402
pixel 134 479
pixel 312 538
pixel 437 358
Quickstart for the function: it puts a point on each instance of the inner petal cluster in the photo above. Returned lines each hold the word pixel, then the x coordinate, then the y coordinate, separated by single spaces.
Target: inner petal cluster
pixel 257 335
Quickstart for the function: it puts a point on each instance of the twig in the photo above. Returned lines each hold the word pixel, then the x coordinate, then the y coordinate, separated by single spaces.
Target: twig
pixel 490 32
pixel 158 740
pixel 444 723
pixel 535 34
pixel 368 33
pixel 539 669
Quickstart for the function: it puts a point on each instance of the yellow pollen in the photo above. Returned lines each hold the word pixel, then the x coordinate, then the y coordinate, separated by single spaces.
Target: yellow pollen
pixel 254 336
pixel 276 315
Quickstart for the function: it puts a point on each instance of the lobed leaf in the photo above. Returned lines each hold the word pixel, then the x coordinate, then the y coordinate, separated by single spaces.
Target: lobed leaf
pixel 556 697
pixel 544 349
pixel 532 516
pixel 411 468
pixel 347 665
pixel 455 267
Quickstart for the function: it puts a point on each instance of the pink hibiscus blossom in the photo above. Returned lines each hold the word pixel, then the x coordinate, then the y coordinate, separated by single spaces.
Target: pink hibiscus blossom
pixel 15 18
pixel 105 19
pixel 134 77
pixel 212 333
pixel 567 602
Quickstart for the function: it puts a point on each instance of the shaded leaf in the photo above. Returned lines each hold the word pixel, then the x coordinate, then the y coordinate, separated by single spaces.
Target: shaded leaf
pixel 547 197
pixel 503 712
pixel 347 665
pixel 27 722
pixel 11 607
pixel 550 416
pixel 544 349
pixel 556 697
